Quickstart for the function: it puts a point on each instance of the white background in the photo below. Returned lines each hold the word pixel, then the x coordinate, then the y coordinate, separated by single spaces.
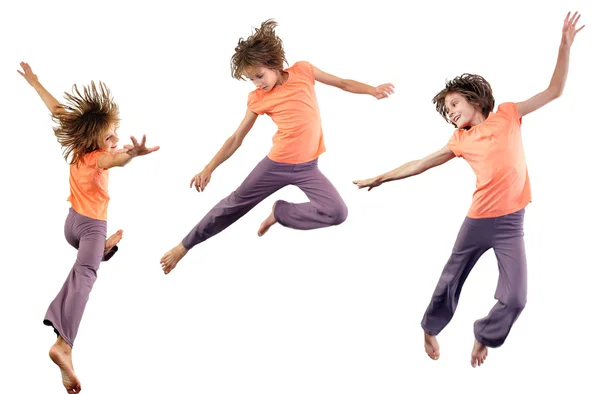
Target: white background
pixel 336 310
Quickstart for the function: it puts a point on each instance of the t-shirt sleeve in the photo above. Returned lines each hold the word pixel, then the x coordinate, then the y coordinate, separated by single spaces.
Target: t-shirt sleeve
pixel 454 144
pixel 306 69
pixel 253 103
pixel 92 159
pixel 510 109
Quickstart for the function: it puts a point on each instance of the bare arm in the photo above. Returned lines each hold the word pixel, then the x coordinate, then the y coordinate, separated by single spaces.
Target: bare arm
pixel 201 179
pixel 52 103
pixel 559 77
pixel 109 160
pixel 349 85
pixel 234 142
pixel 412 168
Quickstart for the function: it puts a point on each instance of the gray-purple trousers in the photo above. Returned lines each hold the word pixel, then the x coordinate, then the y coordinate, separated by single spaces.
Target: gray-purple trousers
pixel 504 234
pixel 325 207
pixel 88 236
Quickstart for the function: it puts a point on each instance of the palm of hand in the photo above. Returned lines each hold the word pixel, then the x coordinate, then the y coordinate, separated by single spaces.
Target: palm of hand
pixel 139 148
pixel 569 28
pixel 28 74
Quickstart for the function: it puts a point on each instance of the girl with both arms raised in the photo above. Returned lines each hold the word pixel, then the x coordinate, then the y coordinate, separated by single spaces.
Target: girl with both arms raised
pixel 87 130
pixel 288 97
pixel 491 144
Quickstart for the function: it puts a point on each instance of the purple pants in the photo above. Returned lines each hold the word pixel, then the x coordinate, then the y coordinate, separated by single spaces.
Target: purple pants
pixel 326 207
pixel 88 236
pixel 504 234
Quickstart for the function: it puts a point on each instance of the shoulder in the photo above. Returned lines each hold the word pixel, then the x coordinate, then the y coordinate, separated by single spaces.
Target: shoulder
pixel 509 110
pixel 91 159
pixel 304 69
pixel 454 143
pixel 303 66
pixel 255 96
pixel 254 101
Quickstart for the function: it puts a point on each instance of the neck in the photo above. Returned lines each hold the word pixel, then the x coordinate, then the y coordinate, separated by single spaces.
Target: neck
pixel 281 78
pixel 478 119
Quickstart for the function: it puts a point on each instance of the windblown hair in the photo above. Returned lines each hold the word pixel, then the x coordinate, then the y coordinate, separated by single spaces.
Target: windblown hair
pixel 83 119
pixel 474 88
pixel 263 48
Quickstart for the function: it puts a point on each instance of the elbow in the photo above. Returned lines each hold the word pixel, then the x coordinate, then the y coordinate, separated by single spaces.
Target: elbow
pixel 58 110
pixel 345 85
pixel 419 168
pixel 555 92
pixel 234 142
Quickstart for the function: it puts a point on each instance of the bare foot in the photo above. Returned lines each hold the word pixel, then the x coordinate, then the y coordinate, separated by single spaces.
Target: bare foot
pixel 113 240
pixel 432 348
pixel 267 223
pixel 172 257
pixel 60 353
pixel 479 354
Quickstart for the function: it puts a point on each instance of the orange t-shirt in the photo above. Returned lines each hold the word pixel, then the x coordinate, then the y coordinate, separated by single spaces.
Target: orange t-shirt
pixel 89 187
pixel 494 150
pixel 294 109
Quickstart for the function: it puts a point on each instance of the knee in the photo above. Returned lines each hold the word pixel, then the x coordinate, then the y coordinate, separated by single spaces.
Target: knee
pixel 516 303
pixel 338 213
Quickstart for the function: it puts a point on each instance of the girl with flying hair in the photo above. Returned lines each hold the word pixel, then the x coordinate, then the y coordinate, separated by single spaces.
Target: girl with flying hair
pixel 491 143
pixel 87 130
pixel 287 96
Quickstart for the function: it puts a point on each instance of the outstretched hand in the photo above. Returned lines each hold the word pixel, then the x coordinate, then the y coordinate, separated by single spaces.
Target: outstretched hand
pixel 28 74
pixel 383 91
pixel 370 183
pixel 138 148
pixel 569 28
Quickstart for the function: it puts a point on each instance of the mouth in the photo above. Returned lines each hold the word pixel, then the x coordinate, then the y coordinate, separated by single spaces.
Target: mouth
pixel 456 118
pixel 113 147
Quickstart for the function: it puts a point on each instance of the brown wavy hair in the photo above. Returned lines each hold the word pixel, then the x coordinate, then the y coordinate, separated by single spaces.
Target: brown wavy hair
pixel 83 120
pixel 474 88
pixel 262 48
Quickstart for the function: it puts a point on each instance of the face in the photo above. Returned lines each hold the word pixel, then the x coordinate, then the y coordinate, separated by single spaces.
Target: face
pixel 264 78
pixel 460 112
pixel 109 140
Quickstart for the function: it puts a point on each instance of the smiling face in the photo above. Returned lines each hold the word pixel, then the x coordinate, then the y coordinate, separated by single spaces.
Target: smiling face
pixel 265 78
pixel 109 140
pixel 461 113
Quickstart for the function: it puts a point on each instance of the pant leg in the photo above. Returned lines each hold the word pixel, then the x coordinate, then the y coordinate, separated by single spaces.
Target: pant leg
pixel 511 291
pixel 473 240
pixel 265 179
pixel 326 207
pixel 74 242
pixel 65 312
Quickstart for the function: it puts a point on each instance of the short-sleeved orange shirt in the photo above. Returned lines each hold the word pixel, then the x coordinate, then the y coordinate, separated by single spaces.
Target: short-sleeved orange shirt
pixel 494 150
pixel 89 187
pixel 294 109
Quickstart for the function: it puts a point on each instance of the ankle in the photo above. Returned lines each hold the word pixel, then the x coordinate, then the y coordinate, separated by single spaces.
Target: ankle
pixel 62 344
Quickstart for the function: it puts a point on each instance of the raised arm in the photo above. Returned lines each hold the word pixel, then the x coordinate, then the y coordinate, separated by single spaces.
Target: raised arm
pixel 409 169
pixel 559 78
pixel 349 85
pixel 52 104
pixel 232 144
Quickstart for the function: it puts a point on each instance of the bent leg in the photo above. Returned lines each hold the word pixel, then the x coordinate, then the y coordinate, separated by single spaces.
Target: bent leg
pixel 326 207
